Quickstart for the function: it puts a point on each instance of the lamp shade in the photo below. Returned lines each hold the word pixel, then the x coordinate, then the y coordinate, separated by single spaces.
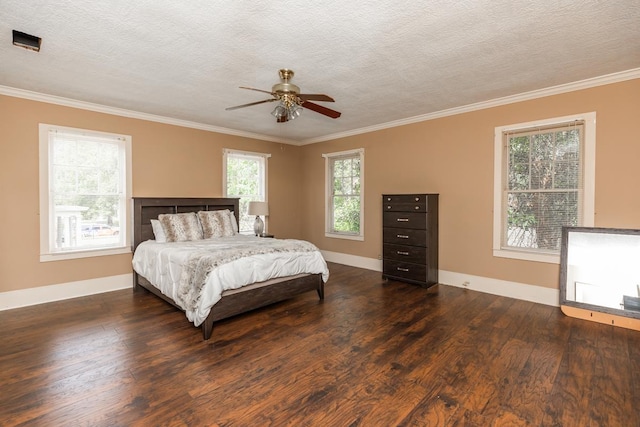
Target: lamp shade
pixel 258 208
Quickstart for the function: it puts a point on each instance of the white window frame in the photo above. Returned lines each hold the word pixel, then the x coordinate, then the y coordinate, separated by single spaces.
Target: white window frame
pixel 263 197
pixel 587 208
pixel 47 237
pixel 329 193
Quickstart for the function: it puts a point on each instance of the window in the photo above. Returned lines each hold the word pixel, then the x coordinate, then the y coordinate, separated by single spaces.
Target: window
pixel 85 183
pixel 544 180
pixel 345 194
pixel 245 176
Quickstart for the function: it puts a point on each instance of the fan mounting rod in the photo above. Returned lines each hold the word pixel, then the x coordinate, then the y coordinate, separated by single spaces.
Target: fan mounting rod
pixel 284 86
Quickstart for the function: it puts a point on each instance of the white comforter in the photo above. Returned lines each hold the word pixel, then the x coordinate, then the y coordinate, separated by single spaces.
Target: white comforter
pixel 161 264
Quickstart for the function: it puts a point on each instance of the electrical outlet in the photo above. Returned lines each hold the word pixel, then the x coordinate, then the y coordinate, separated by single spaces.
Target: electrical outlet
pixel 466 284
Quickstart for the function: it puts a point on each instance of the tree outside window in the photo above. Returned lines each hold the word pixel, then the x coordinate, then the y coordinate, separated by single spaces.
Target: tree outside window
pixel 543 187
pixel 544 181
pixel 344 194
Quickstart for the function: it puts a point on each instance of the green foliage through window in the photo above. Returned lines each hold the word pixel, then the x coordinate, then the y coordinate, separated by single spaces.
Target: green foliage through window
pixel 543 185
pixel 246 180
pixel 345 194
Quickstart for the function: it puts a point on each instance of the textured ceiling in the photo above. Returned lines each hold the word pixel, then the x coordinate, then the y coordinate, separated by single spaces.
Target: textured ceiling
pixel 382 61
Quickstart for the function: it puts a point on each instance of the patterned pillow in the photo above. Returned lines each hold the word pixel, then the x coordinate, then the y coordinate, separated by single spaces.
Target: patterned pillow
pixel 216 223
pixel 181 227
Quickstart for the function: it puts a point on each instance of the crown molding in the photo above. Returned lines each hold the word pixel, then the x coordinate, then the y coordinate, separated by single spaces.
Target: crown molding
pixel 68 102
pixel 526 96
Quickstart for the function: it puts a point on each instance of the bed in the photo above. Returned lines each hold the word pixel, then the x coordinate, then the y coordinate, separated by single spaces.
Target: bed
pixel 231 301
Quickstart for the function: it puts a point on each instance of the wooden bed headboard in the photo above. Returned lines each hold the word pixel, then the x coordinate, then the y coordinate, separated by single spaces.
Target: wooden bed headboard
pixel 147 208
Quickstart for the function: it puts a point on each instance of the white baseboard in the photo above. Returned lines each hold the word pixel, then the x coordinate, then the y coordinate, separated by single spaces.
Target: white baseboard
pixel 539 294
pixel 44 294
pixel 353 260
pixel 62 291
pixel 522 291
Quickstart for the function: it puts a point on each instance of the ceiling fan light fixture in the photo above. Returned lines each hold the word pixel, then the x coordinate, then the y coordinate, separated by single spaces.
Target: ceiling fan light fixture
pixel 284 112
pixel 279 112
pixel 294 112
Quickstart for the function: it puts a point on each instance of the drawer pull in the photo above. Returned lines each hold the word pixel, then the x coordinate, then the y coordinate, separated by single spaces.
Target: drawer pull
pixel 402 253
pixel 417 199
pixel 403 220
pixel 402 236
pixel 388 206
pixel 417 208
pixel 406 270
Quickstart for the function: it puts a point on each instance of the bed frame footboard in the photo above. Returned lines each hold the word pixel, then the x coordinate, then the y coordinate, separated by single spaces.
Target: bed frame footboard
pixel 244 301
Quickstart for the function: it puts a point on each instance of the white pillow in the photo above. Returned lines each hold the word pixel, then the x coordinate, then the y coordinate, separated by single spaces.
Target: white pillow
pixel 158 231
pixel 234 224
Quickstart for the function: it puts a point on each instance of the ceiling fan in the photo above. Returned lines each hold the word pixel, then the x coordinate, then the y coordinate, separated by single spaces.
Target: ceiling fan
pixel 291 100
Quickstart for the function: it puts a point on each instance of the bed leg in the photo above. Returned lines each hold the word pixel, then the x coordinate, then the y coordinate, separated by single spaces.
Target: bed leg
pixel 136 286
pixel 207 329
pixel 321 290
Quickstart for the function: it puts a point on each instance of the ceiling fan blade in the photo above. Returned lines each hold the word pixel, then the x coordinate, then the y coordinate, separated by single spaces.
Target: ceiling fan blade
pixel 250 104
pixel 322 110
pixel 315 97
pixel 257 90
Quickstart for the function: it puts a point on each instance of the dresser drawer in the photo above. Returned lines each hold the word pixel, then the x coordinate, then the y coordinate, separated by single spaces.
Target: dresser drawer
pixel 404 203
pixel 404 198
pixel 405 270
pixel 413 254
pixel 404 220
pixel 404 207
pixel 401 236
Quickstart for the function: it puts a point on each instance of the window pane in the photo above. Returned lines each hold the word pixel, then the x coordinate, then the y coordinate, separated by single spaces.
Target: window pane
pixel 542 181
pixel 541 175
pixel 344 184
pixel 355 167
pixel 337 186
pixel 535 219
pixel 519 176
pixel 542 146
pixel 519 149
pixel 246 180
pixel 566 174
pixel 346 214
pixel 88 204
pixel 347 188
pixel 568 145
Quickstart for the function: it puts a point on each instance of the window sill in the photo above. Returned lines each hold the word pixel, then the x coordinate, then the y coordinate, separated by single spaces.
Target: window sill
pixel 344 236
pixel 60 256
pixel 549 258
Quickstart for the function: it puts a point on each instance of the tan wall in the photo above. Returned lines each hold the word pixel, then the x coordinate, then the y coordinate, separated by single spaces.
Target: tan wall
pixel 453 156
pixel 167 161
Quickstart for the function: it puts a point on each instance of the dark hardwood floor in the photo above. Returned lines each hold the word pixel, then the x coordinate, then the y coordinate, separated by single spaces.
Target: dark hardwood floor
pixel 374 353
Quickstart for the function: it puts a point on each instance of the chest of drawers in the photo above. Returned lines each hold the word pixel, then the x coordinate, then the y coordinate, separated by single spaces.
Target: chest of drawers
pixel 410 238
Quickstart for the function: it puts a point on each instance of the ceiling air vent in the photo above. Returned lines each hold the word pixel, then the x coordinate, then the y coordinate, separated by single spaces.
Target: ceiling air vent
pixel 26 41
